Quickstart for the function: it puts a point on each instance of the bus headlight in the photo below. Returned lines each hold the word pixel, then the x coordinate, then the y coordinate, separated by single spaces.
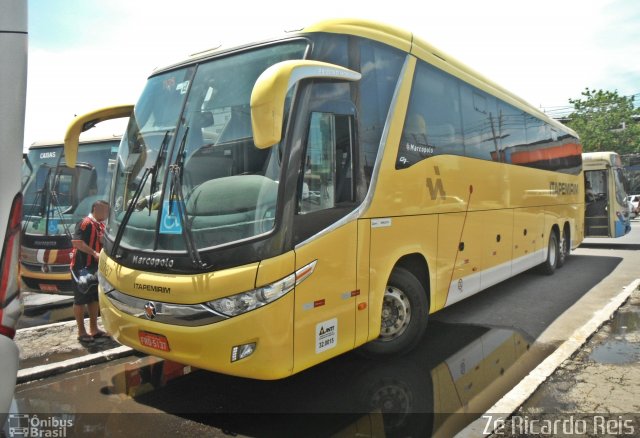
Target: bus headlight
pixel 238 304
pixel 104 284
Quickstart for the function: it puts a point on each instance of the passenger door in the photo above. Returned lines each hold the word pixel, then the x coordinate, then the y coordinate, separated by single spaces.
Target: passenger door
pixel 325 303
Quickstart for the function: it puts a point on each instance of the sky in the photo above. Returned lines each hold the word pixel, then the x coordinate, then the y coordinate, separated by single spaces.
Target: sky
pixel 88 54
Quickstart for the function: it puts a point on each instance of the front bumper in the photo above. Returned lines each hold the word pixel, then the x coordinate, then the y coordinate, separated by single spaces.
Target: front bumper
pixel 209 346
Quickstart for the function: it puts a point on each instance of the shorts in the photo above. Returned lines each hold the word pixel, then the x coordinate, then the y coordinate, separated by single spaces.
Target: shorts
pixel 80 298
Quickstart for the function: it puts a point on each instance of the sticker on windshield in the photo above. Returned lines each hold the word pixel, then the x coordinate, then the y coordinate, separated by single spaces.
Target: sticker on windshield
pixel 170 223
pixel 183 87
pixel 53 226
pixel 326 335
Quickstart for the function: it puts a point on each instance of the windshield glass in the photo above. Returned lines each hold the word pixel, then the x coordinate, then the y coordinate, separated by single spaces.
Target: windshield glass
pixel 55 196
pixel 620 183
pixel 201 113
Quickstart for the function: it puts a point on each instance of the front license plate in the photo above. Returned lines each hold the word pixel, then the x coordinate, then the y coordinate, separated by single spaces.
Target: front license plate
pixel 153 340
pixel 48 287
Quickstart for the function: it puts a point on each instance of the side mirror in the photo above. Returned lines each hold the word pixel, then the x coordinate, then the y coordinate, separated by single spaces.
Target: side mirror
pixel 271 88
pixel 87 121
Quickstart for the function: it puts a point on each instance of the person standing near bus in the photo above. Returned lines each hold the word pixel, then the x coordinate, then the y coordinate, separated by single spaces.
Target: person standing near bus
pixel 87 243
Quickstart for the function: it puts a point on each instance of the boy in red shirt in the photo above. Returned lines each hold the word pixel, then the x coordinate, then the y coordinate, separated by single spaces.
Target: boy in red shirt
pixel 87 243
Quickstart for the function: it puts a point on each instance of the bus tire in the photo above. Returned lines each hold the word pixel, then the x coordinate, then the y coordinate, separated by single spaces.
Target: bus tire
pixel 405 312
pixel 564 249
pixel 553 254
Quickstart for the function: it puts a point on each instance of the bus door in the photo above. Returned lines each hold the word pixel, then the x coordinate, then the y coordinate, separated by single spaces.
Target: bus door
pixel 325 303
pixel 596 215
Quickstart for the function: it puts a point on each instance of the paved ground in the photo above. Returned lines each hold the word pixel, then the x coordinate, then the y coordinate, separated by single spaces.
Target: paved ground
pixel 54 349
pixel 593 393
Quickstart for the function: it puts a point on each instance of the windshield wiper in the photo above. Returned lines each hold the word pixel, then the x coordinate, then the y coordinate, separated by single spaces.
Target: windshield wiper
pixel 153 171
pixel 128 212
pixel 176 192
pixel 39 204
pixel 156 168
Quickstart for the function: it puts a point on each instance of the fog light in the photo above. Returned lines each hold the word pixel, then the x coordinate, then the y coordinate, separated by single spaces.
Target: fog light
pixel 241 351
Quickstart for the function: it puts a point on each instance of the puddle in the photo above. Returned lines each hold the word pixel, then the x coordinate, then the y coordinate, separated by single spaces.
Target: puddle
pixel 449 380
pixel 622 345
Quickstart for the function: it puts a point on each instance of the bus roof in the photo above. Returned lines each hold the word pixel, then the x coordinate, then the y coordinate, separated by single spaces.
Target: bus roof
pixel 612 158
pixel 405 41
pixel 85 140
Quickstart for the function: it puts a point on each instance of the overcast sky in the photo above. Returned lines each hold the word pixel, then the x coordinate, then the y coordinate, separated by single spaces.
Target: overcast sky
pixel 87 54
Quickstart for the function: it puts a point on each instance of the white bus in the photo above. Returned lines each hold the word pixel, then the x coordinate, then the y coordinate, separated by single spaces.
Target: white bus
pixel 13 77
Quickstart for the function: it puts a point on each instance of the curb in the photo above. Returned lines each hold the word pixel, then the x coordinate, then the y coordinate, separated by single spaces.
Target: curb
pixel 42 371
pixel 511 401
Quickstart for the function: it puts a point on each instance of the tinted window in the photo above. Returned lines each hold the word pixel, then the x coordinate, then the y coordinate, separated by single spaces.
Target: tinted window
pixel 448 116
pixel 480 124
pixel 433 124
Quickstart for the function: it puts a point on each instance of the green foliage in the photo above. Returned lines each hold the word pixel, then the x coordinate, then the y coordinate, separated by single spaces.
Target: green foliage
pixel 599 117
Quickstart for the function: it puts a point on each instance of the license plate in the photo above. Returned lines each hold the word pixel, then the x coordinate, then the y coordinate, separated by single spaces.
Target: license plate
pixel 48 287
pixel 152 340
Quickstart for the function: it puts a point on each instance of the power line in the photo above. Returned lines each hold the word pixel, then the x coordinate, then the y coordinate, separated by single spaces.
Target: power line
pixel 560 111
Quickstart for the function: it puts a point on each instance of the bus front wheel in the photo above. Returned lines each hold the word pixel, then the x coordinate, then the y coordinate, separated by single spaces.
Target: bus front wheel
pixel 553 255
pixel 404 317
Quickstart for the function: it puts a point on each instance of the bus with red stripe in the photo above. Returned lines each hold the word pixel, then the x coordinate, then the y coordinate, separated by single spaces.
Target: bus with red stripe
pixel 56 198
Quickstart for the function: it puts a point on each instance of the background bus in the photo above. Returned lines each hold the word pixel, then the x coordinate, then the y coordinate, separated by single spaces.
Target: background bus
pixel 55 199
pixel 606 211
pixel 13 77
pixel 279 204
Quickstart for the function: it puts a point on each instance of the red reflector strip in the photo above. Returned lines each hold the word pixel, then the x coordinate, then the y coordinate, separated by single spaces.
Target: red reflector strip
pixel 7 331
pixel 355 293
pixel 318 303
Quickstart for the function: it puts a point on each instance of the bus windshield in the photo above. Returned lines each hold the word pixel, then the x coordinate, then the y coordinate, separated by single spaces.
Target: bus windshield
pixel 191 133
pixel 56 197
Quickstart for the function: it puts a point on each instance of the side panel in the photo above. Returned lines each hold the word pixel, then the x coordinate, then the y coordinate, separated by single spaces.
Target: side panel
pixel 325 303
pixel 364 252
pixel 460 240
pixel 529 245
pixel 497 246
pixel 391 239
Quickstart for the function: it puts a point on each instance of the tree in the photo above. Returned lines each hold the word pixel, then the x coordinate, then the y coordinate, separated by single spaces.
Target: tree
pixel 605 121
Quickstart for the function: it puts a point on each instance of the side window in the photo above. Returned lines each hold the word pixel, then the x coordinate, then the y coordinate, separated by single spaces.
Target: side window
pixel 327 169
pixel 512 133
pixel 480 124
pixel 433 122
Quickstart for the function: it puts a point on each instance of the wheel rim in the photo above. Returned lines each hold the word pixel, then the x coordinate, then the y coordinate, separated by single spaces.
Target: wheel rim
pixel 396 314
pixel 553 251
pixel 393 397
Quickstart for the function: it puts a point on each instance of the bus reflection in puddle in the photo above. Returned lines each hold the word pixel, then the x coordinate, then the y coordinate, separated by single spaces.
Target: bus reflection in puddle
pixel 439 388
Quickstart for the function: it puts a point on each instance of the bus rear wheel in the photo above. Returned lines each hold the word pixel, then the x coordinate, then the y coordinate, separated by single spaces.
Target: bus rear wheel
pixel 553 254
pixel 565 249
pixel 404 317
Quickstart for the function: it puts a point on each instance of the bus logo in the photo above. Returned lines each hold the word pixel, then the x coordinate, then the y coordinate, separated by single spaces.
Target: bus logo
pixel 150 310
pixel 436 189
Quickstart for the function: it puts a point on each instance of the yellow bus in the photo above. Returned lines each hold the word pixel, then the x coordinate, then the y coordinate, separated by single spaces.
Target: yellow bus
pixel 277 204
pixel 607 213
pixel 55 199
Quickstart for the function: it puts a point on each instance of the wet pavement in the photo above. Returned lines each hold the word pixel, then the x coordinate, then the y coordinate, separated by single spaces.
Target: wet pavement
pixel 601 381
pixel 454 376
